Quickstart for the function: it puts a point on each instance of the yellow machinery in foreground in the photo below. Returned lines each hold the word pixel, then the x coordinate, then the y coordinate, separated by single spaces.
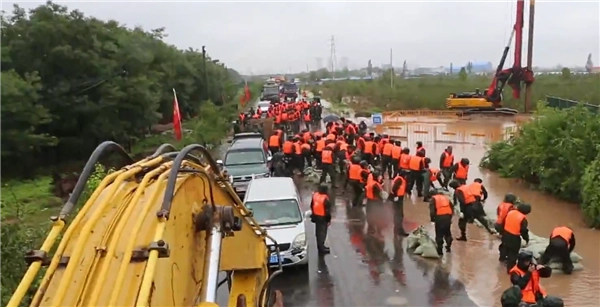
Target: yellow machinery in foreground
pixel 158 232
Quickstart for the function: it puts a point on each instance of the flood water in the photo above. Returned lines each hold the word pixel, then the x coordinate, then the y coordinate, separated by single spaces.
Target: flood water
pixel 368 266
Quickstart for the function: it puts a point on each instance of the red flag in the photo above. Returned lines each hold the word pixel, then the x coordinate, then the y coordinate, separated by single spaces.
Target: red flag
pixel 243 100
pixel 247 92
pixel 176 117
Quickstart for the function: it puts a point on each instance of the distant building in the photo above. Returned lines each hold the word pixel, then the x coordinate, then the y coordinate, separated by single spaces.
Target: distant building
pixel 478 67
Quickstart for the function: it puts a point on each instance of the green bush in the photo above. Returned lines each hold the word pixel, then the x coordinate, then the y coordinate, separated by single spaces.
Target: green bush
pixel 559 152
pixel 591 193
pixel 431 92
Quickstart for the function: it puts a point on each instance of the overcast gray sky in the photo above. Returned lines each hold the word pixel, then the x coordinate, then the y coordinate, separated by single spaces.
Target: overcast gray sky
pixel 265 37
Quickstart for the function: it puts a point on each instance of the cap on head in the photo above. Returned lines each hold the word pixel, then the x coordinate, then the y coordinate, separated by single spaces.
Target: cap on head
pixel 323 188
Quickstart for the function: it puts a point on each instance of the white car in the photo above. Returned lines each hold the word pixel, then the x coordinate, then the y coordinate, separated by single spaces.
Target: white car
pixel 275 203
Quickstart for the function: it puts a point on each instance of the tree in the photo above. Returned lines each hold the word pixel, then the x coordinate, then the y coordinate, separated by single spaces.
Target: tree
pixel 370 68
pixel 98 80
pixel 469 67
pixel 462 74
pixel 566 73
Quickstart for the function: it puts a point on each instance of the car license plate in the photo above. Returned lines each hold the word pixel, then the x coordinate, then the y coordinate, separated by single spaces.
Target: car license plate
pixel 274 259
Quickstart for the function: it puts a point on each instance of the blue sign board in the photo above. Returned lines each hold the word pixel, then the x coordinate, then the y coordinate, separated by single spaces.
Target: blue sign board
pixel 377 118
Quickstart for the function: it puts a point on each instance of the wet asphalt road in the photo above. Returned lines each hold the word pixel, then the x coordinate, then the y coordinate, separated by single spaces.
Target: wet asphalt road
pixel 368 266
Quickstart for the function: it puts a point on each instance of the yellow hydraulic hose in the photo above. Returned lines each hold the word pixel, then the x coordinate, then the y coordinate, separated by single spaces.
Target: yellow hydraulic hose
pixel 89 226
pixel 146 285
pixel 113 243
pixel 132 237
pixel 65 239
pixel 34 268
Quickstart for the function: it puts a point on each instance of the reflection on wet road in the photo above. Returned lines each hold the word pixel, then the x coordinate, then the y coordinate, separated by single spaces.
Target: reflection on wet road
pixel 367 266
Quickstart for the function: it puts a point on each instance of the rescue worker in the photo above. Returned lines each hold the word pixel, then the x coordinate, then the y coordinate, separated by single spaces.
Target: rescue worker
pixel 460 170
pixel 440 213
pixel 274 142
pixel 320 207
pixel 306 149
pixel 561 245
pixel 515 228
pixel 307 120
pixel 328 163
pixel 503 208
pixel 432 175
pixel 404 160
pixel 386 158
pixel 526 275
pixel 420 148
pixel 298 158
pixel 288 151
pixel 369 150
pixel 416 166
pixel 373 191
pixel 446 162
pixel 278 167
pixel 396 153
pixel 319 146
pixel 397 194
pixel 354 180
pixel 480 193
pixel 468 208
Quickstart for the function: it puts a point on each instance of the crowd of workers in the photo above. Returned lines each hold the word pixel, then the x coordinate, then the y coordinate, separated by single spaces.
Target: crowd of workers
pixel 364 160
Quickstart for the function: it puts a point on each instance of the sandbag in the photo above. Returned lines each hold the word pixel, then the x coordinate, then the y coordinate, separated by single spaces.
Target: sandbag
pixel 422 243
pixel 312 174
pixel 557 267
pixel 553 301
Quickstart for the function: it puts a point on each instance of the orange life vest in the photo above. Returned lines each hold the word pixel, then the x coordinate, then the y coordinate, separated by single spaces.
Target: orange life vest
pixel 387 149
pixel 402 189
pixel 288 147
pixel 469 197
pixel 442 205
pixel 274 141
pixel 415 163
pixel 354 172
pixel 396 152
pixel 318 208
pixel 369 147
pixel 502 211
pixel 327 157
pixel 512 223
pixel 369 189
pixel 320 145
pixel 405 161
pixel 532 288
pixel 475 189
pixel 563 232
pixel 462 172
pixel 448 160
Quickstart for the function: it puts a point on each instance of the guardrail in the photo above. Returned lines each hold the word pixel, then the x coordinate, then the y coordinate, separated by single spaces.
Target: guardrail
pixel 562 103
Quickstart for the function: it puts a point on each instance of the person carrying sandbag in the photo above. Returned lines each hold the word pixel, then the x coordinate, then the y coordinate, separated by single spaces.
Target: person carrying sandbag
pixel 441 212
pixel 561 245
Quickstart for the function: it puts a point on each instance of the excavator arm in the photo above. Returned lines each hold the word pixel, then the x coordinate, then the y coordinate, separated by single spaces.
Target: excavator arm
pixel 158 232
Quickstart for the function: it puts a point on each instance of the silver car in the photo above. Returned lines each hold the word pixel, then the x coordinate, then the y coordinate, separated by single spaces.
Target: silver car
pixel 275 203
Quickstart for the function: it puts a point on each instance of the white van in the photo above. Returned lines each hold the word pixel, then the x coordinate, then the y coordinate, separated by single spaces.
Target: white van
pixel 275 203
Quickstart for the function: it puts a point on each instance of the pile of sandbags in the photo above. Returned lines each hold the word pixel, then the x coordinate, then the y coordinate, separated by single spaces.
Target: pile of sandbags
pixel 312 174
pixel 420 243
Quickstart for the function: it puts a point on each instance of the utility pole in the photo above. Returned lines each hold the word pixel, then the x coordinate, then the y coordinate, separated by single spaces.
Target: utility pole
pixel 332 56
pixel 205 71
pixel 391 69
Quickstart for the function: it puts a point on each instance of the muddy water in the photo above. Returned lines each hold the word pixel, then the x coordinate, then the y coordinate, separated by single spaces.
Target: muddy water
pixel 475 262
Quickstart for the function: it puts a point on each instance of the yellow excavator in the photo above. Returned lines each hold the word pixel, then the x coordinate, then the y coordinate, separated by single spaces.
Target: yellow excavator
pixel 168 230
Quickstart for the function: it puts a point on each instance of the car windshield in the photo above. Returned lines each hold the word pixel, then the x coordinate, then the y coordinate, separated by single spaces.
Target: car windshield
pixel 292 87
pixel 276 212
pixel 271 90
pixel 244 157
